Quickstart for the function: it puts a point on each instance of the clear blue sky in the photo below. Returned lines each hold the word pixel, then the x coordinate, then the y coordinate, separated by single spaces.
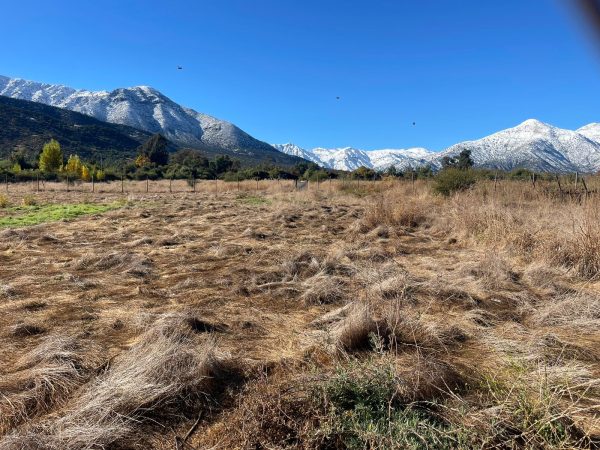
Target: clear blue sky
pixel 459 69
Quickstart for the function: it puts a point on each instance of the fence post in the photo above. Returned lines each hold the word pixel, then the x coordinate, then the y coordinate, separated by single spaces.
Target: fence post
pixel 171 184
pixel 6 181
pixel 67 183
pixel 93 184
pixel 495 180
pixel 587 192
pixel 256 184
pixel 559 185
pixel 216 186
pixel 318 182
pixel 576 180
pixel 194 183
pixel 238 181
pixel 122 183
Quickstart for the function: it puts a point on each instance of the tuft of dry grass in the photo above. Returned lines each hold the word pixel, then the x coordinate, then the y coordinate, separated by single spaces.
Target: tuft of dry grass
pixel 164 371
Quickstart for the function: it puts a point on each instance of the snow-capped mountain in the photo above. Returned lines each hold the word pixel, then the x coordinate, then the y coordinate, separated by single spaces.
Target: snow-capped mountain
pixel 591 131
pixel 349 158
pixel 140 107
pixel 294 150
pixel 533 145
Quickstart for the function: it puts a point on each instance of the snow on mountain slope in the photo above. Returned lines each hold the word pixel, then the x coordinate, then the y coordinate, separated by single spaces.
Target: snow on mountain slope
pixel 533 145
pixel 294 150
pixel 349 158
pixel 591 131
pixel 141 107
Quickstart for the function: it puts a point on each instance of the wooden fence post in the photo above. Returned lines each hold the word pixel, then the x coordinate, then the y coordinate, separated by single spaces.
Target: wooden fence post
pixel 256 184
pixel 171 184
pixel 122 183
pixel 495 180
pixel 67 183
pixel 576 180
pixel 238 181
pixel 587 193
pixel 194 183
pixel 93 183
pixel 559 185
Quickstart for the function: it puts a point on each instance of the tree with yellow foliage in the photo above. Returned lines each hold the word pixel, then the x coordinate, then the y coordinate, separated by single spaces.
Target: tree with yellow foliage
pixel 85 173
pixel 51 158
pixel 73 167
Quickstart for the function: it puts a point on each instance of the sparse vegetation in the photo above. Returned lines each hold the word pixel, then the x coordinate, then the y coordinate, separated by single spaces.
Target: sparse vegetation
pixel 283 318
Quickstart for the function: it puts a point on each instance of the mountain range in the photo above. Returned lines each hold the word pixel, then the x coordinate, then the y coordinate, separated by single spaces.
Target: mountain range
pixel 147 109
pixel 532 145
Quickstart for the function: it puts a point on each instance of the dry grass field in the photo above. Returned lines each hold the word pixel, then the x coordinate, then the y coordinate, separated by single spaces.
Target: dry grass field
pixel 376 315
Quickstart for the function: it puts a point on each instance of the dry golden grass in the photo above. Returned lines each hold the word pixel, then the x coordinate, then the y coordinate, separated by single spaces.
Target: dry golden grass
pixel 251 318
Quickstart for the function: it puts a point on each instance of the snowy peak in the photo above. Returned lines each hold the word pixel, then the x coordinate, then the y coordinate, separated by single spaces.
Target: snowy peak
pixel 349 158
pixel 145 108
pixel 533 145
pixel 591 131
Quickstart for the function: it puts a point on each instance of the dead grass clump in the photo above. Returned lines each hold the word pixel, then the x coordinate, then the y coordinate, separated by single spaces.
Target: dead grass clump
pixel 130 263
pixel 580 312
pixel 166 372
pixel 493 272
pixel 354 331
pixel 395 287
pixel 394 212
pixel 581 251
pixel 408 329
pixel 323 289
pixel 8 291
pixel 43 378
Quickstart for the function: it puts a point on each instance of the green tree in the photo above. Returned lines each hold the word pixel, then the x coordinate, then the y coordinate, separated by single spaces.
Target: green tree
pixel 51 158
pixel 463 161
pixel 155 149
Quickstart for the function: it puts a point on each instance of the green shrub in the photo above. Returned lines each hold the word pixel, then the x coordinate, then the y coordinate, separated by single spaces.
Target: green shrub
pixel 4 201
pixel 366 409
pixel 451 180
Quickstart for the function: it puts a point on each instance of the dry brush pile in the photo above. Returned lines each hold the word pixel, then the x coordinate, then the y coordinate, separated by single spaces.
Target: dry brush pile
pixel 376 315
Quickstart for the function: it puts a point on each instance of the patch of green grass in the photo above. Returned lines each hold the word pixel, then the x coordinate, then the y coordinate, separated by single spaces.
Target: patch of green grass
pixel 22 216
pixel 253 200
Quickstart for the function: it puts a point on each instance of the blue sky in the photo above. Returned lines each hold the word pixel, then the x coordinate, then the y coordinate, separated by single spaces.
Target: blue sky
pixel 459 69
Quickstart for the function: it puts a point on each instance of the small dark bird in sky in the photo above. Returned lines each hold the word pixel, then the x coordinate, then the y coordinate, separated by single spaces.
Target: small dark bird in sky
pixel 179 68
pixel 337 98
pixel 414 123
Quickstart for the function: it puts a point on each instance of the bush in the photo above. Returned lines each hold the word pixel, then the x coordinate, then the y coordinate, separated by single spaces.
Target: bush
pixel 451 180
pixel 29 200
pixel 4 201
pixel 366 409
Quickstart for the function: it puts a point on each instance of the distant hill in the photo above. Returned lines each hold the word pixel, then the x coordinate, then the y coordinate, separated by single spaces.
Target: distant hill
pixel 28 125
